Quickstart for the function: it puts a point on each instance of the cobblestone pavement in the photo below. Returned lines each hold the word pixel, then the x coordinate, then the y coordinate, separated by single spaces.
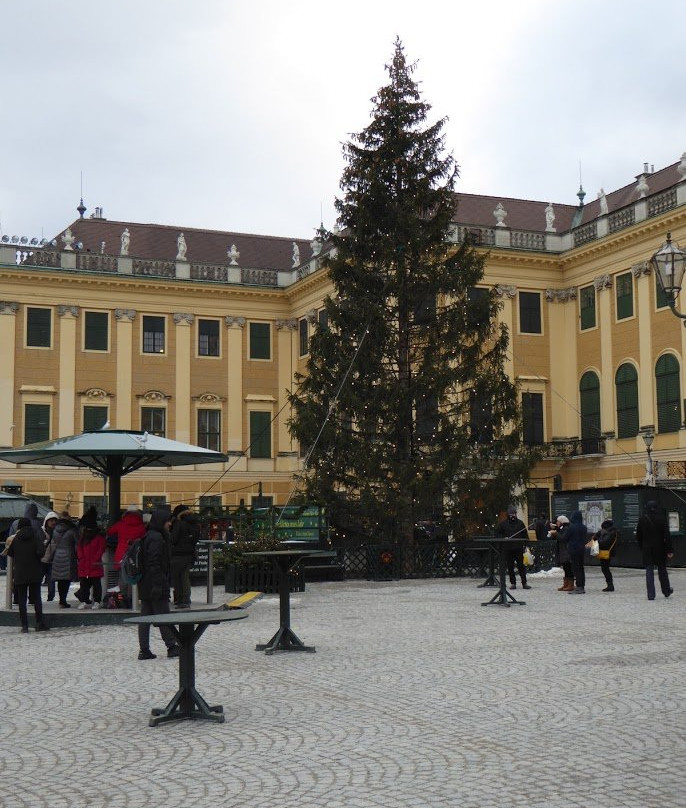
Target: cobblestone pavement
pixel 417 697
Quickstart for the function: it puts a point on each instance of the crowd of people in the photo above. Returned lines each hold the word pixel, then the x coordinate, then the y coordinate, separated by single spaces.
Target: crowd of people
pixel 573 543
pixel 59 551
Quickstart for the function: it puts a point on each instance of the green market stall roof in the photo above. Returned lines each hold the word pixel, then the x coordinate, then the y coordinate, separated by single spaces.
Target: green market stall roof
pixel 112 453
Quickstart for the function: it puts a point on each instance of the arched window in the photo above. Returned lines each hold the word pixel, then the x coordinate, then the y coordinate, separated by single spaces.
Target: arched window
pixel 626 383
pixel 668 393
pixel 589 397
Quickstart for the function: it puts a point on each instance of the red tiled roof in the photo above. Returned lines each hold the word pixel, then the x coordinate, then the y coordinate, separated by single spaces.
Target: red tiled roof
pixel 524 214
pixel 159 242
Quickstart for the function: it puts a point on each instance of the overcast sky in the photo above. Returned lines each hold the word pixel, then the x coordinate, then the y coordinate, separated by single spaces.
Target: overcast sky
pixel 230 115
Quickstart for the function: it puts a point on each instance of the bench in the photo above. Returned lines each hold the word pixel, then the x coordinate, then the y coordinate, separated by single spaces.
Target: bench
pixel 241 602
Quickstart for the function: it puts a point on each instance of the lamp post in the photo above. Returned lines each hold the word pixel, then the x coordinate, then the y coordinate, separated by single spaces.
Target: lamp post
pixel 669 263
pixel 648 438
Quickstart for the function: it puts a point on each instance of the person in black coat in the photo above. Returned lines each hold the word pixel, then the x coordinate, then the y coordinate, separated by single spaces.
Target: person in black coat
pixel 185 532
pixel 27 550
pixel 153 587
pixel 514 528
pixel 577 539
pixel 607 542
pixel 652 535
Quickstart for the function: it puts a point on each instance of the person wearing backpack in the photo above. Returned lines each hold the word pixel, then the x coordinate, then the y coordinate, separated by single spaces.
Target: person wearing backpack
pixel 185 532
pixel 153 587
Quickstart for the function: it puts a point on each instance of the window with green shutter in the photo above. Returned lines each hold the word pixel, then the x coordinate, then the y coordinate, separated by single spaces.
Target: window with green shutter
pixel 260 434
pixel 304 337
pixel 624 290
pixel 95 324
pixel 668 392
pixel 626 385
pixel 532 417
pixel 661 297
pixel 36 423
pixel 94 418
pixel 530 313
pixel 589 399
pixel 260 342
pixel 38 328
pixel 587 307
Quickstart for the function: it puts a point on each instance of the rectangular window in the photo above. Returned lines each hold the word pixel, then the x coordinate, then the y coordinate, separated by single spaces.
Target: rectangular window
pixel 38 328
pixel 95 326
pixel 153 334
pixel 94 418
pixel 260 434
pixel 624 288
pixel 304 341
pixel 530 313
pixel 532 416
pixel 587 307
pixel 154 420
pixel 36 423
pixel 260 342
pixel 323 318
pixel 661 297
pixel 100 505
pixel 210 503
pixel 208 337
pixel 210 429
pixel 154 501
pixel 477 306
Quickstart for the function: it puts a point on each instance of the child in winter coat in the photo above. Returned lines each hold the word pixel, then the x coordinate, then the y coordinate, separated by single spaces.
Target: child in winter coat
pixel 89 549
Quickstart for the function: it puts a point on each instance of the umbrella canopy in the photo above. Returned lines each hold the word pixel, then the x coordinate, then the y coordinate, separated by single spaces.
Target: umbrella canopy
pixel 112 453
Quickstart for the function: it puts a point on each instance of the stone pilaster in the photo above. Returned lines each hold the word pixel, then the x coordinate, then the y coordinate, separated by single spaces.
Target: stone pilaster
pixel 234 358
pixel 184 332
pixel 124 318
pixel 8 339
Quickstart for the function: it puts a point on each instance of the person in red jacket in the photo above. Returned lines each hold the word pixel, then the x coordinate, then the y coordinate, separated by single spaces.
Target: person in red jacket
pixel 127 529
pixel 89 549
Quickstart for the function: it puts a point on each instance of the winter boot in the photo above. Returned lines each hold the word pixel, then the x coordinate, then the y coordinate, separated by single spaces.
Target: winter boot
pixel 609 588
pixel 578 591
pixel 567 584
pixel 525 585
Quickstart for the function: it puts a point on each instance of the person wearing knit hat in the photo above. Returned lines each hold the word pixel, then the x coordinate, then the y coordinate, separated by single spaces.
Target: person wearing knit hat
pixel 559 532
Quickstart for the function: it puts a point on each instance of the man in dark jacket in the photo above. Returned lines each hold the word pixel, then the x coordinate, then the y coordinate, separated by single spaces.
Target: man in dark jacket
pixel 185 532
pixel 153 587
pixel 577 538
pixel 652 535
pixel 514 528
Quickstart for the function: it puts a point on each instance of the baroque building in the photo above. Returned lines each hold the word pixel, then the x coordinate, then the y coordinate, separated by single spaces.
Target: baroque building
pixel 196 335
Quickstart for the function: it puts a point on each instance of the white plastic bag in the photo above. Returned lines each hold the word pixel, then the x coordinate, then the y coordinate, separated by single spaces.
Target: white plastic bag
pixel 528 557
pixel 594 547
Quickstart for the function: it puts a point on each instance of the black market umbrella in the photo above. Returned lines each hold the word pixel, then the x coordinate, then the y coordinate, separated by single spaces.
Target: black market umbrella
pixel 112 453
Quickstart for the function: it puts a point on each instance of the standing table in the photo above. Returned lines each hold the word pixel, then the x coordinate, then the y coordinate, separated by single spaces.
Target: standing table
pixel 503 597
pixel 187 627
pixel 284 561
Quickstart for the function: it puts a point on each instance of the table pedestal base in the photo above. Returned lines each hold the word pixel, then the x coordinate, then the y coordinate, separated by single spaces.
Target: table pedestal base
pixel 501 599
pixel 187 704
pixel 285 640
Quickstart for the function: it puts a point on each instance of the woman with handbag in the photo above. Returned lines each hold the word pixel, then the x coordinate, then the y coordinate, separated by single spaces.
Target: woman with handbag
pixel 607 543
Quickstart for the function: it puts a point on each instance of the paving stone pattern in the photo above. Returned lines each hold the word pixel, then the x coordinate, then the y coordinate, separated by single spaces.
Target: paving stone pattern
pixel 417 697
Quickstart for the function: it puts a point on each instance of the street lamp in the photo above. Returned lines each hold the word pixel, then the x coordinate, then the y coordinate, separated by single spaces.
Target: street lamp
pixel 648 438
pixel 669 263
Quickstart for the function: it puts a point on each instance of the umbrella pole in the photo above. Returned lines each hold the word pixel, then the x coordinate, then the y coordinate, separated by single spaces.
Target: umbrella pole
pixel 114 474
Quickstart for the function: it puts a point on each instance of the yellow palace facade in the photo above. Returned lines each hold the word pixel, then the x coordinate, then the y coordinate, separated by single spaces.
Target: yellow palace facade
pixel 196 335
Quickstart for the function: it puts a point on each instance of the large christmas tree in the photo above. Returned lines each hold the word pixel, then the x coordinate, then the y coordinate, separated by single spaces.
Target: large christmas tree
pixel 406 412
